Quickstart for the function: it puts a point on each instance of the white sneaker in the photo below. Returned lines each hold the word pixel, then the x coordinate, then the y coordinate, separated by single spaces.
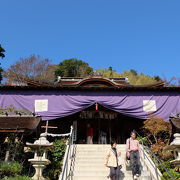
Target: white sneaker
pixel 135 177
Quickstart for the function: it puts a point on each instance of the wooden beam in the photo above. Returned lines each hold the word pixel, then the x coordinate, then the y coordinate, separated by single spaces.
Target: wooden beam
pixel 49 127
pixel 12 130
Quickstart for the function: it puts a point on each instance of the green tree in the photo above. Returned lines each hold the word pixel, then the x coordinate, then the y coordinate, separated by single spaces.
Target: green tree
pixel 1 70
pixel 157 78
pixel 134 77
pixel 2 56
pixel 2 52
pixel 134 72
pixel 110 69
pixel 73 68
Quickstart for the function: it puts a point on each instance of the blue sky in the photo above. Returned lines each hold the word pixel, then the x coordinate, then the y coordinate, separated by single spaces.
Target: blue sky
pixel 125 34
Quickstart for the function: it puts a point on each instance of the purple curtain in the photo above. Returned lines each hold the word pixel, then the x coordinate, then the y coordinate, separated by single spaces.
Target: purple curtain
pixel 64 103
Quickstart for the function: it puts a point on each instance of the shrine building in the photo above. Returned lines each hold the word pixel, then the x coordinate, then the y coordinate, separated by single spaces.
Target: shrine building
pixel 110 105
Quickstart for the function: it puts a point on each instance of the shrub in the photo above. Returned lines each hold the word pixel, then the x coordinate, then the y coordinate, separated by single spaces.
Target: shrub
pixel 165 164
pixel 17 178
pixel 143 140
pixel 175 174
pixel 170 168
pixel 10 169
pixel 56 157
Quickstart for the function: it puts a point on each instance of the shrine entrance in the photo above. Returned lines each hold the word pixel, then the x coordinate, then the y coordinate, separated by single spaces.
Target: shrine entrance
pixel 112 125
pixel 105 122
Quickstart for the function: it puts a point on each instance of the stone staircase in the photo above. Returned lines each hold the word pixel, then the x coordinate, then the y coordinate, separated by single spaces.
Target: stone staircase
pixel 89 164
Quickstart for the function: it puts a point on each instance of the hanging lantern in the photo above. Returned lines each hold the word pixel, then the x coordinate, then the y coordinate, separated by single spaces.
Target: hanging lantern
pixel 96 106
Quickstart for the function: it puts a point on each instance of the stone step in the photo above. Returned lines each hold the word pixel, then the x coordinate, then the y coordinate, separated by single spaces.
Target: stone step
pixel 90 159
pixel 84 161
pixel 98 178
pixel 105 178
pixel 92 155
pixel 97 173
pixel 92 167
pixel 95 166
pixel 98 150
pixel 145 175
pixel 101 148
pixel 97 153
pixel 104 151
pixel 106 170
pixel 98 145
pixel 89 151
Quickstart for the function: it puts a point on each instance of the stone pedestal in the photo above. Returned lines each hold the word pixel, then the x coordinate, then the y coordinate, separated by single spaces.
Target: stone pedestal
pixel 39 169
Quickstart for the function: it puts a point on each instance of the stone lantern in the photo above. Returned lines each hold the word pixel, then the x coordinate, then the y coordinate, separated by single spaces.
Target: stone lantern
pixel 175 147
pixel 175 144
pixel 40 161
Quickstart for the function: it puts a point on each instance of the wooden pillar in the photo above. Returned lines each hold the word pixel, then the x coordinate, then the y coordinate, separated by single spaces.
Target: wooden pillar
pixel 109 130
pixel 47 122
pixel 99 128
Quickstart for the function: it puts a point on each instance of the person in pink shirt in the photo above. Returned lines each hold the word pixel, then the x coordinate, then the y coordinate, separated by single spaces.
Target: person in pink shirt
pixel 134 153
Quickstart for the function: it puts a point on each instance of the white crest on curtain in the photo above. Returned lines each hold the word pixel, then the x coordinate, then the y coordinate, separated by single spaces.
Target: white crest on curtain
pixel 41 105
pixel 149 105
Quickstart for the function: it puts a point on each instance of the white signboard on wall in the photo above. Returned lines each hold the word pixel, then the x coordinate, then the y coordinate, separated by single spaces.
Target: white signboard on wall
pixel 41 105
pixel 149 105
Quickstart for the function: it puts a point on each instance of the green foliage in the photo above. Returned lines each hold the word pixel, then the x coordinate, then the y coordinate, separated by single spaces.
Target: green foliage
pixel 59 150
pixel 56 157
pixel 11 110
pixel 157 78
pixel 134 72
pixel 10 169
pixel 2 56
pixel 143 140
pixel 165 175
pixel 1 70
pixel 170 168
pixel 13 167
pixel 17 178
pixel 2 52
pixel 134 77
pixel 110 69
pixel 165 164
pixel 73 68
pixel 14 144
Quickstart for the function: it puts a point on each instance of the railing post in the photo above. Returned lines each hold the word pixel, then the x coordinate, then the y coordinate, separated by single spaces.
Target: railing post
pixel 66 172
pixel 67 165
pixel 143 149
